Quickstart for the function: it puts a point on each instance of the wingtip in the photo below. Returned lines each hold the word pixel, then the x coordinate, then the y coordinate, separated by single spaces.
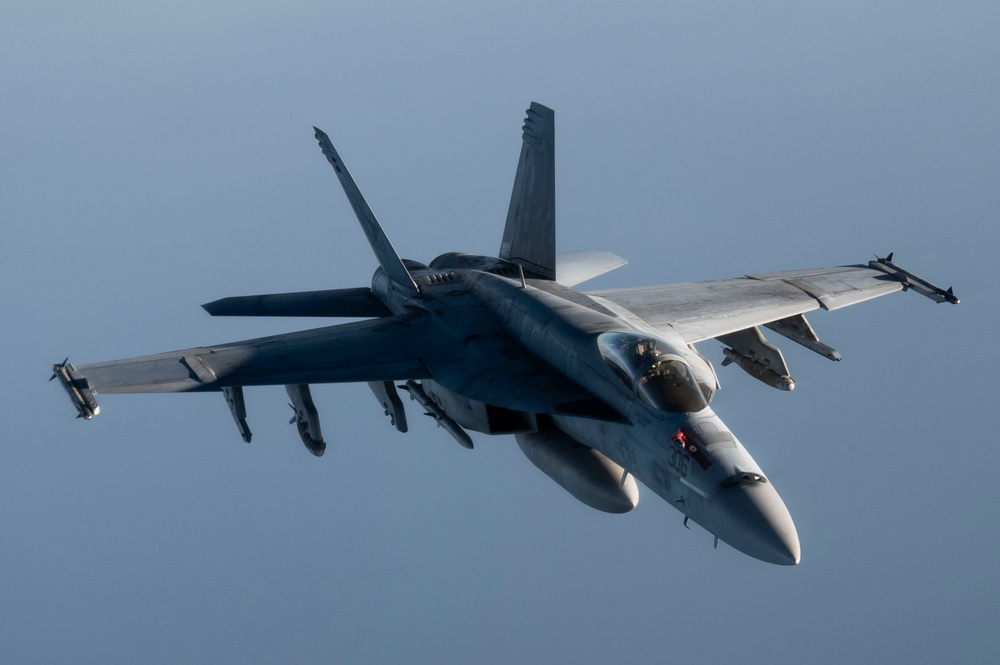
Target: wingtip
pixel 539 107
pixel 326 146
pixel 884 259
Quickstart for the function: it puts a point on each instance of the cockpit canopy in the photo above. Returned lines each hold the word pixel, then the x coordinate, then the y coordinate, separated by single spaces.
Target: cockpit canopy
pixel 653 370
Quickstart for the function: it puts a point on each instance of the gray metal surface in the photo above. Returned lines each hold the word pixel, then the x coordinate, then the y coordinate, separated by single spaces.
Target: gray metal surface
pixel 701 310
pixel 529 236
pixel 377 350
pixel 575 268
pixel 354 303
pixel 384 251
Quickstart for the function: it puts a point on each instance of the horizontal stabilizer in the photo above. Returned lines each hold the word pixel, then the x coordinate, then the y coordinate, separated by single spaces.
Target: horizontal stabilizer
pixel 576 267
pixel 360 303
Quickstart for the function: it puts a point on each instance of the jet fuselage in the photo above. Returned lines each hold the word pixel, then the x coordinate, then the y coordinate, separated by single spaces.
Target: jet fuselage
pixel 691 459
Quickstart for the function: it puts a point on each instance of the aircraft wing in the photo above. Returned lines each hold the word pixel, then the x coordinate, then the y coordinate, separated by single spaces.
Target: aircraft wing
pixel 701 310
pixel 386 349
pixel 574 268
pixel 393 348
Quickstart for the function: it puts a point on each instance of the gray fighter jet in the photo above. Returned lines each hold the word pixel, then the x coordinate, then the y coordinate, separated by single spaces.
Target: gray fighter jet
pixel 600 388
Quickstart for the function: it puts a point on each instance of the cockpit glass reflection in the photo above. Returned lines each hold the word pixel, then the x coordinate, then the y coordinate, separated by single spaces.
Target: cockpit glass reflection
pixel 653 369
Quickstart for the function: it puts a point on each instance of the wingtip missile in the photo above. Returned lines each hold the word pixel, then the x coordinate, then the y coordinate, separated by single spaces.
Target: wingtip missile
pixel 78 388
pixel 911 281
pixel 55 371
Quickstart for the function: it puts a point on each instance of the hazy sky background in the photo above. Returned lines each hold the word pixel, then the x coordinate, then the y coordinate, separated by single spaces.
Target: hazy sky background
pixel 155 158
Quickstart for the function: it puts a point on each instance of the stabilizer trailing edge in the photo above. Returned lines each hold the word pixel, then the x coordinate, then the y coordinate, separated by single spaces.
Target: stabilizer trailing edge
pixel 357 302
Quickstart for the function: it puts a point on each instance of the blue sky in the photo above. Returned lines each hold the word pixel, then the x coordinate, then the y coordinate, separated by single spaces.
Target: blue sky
pixel 155 158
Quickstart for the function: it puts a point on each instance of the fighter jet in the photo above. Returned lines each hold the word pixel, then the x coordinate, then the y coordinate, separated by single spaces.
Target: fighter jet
pixel 600 389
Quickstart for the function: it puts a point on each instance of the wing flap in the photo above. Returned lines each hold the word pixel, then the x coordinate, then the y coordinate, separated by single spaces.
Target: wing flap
pixel 574 268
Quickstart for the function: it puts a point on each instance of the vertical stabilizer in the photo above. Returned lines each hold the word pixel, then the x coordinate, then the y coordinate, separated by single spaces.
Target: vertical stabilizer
pixel 529 238
pixel 384 251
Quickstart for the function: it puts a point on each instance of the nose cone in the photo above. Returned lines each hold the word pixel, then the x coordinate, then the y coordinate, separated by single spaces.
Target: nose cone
pixel 753 519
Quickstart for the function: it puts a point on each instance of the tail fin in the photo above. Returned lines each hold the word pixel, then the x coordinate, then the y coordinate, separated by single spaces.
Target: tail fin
pixel 384 251
pixel 529 238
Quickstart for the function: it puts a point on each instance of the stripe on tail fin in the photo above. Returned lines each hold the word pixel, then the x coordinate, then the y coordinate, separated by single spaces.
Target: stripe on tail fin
pixel 384 251
pixel 529 238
